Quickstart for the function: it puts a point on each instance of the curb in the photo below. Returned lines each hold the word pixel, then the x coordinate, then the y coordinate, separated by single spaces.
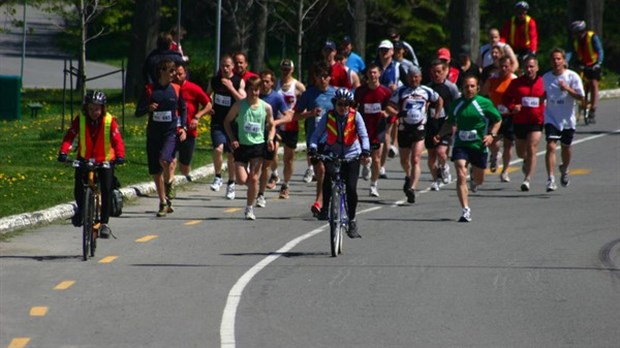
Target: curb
pixel 67 210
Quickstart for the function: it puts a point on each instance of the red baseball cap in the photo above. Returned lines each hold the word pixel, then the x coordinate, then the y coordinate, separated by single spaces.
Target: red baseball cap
pixel 444 53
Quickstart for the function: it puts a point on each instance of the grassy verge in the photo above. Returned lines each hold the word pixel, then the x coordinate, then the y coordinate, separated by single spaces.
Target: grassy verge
pixel 32 179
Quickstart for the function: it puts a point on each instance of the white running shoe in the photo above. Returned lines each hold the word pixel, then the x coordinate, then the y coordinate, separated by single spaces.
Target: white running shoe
pixel 434 186
pixel 382 173
pixel 446 177
pixel 564 179
pixel 249 213
pixel 366 172
pixel 373 191
pixel 551 186
pixel 308 175
pixel 230 191
pixel 466 217
pixel 504 177
pixel 217 184
pixel 525 186
pixel 261 201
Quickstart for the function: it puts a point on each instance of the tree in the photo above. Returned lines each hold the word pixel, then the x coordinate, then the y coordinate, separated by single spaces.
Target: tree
pixel 360 21
pixel 465 25
pixel 257 57
pixel 143 39
pixel 594 15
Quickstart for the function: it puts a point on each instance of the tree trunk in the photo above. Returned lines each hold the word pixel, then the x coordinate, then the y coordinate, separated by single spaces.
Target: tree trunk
pixel 594 16
pixel 300 36
pixel 359 27
pixel 143 40
pixel 260 38
pixel 80 86
pixel 464 25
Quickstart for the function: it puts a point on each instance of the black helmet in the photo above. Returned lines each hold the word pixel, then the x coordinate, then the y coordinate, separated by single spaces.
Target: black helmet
pixel 344 94
pixel 95 97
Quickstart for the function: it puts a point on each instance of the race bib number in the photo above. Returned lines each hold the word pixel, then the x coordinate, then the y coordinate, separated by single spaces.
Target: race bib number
pixel 415 110
pixel 373 108
pixel 468 135
pixel 162 116
pixel 252 127
pixel 530 102
pixel 223 100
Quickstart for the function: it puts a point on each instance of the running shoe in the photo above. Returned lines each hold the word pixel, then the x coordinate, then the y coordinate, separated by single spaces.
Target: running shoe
pixel 504 177
pixel 473 187
pixel 249 213
pixel 316 208
pixel 104 231
pixel 322 215
pixel 352 231
pixel 466 217
pixel 169 206
pixel 525 186
pixel 283 192
pixel 230 191
pixel 170 191
pixel 410 195
pixel 493 162
pixel 373 191
pixel 273 181
pixel 162 209
pixel 261 201
pixel 308 175
pixel 551 186
pixel 76 219
pixel 392 152
pixel 366 172
pixel 406 185
pixel 564 179
pixel 434 186
pixel 217 184
pixel 446 177
pixel 382 173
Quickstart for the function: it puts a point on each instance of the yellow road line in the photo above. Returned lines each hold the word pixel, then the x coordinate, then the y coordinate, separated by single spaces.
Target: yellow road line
pixel 579 171
pixel 108 259
pixel 231 210
pixel 147 238
pixel 64 285
pixel 39 311
pixel 192 222
pixel 19 342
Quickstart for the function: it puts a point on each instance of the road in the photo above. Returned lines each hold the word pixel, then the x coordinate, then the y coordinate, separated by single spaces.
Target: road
pixel 533 269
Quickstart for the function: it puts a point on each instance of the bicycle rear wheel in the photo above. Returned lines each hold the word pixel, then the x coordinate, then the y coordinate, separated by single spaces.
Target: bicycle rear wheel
pixel 89 219
pixel 335 232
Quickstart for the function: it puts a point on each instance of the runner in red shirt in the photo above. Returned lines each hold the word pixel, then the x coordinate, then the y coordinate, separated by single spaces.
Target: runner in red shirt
pixel 373 99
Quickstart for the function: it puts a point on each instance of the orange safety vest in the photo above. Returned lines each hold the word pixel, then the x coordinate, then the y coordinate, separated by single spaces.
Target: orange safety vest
pixel 100 148
pixel 513 30
pixel 586 53
pixel 350 129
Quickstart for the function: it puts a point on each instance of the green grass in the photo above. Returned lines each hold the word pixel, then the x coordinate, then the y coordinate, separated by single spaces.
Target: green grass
pixel 32 179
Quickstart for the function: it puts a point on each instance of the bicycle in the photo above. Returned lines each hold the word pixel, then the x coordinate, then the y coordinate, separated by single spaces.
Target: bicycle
pixel 584 107
pixel 91 208
pixel 338 216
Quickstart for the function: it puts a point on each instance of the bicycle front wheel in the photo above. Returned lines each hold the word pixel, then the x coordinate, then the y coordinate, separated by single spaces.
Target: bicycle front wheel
pixel 335 231
pixel 89 220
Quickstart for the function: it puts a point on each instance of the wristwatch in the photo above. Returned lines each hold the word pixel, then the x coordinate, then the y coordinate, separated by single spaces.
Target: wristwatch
pixel 494 135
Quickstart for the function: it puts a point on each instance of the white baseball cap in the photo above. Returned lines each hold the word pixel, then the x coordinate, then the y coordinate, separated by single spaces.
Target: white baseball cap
pixel 386 44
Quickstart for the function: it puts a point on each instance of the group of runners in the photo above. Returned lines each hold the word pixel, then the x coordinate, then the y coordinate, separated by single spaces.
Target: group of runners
pixel 372 111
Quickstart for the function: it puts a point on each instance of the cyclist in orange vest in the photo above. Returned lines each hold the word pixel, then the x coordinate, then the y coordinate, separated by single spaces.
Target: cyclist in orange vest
pixel 346 136
pixel 520 31
pixel 99 139
pixel 587 50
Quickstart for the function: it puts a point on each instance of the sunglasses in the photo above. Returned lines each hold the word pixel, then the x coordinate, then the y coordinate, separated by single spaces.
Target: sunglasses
pixel 342 103
pixel 324 76
pixel 169 70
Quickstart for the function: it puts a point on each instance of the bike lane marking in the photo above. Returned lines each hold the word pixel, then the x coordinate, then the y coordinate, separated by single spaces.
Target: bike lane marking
pixel 147 238
pixel 227 325
pixel 19 342
pixel 108 259
pixel 39 311
pixel 64 285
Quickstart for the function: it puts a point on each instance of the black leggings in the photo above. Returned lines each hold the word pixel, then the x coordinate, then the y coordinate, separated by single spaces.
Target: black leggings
pixel 349 172
pixel 106 176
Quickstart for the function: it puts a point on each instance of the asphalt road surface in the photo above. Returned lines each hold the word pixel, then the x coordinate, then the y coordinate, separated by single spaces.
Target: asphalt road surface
pixel 533 269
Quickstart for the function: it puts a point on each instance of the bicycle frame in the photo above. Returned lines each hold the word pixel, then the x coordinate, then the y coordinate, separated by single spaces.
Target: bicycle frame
pixel 91 208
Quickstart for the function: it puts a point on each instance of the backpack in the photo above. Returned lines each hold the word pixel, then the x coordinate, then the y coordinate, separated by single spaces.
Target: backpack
pixel 117 199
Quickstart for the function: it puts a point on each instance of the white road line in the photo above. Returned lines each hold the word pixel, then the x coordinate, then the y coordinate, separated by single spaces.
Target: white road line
pixel 227 326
